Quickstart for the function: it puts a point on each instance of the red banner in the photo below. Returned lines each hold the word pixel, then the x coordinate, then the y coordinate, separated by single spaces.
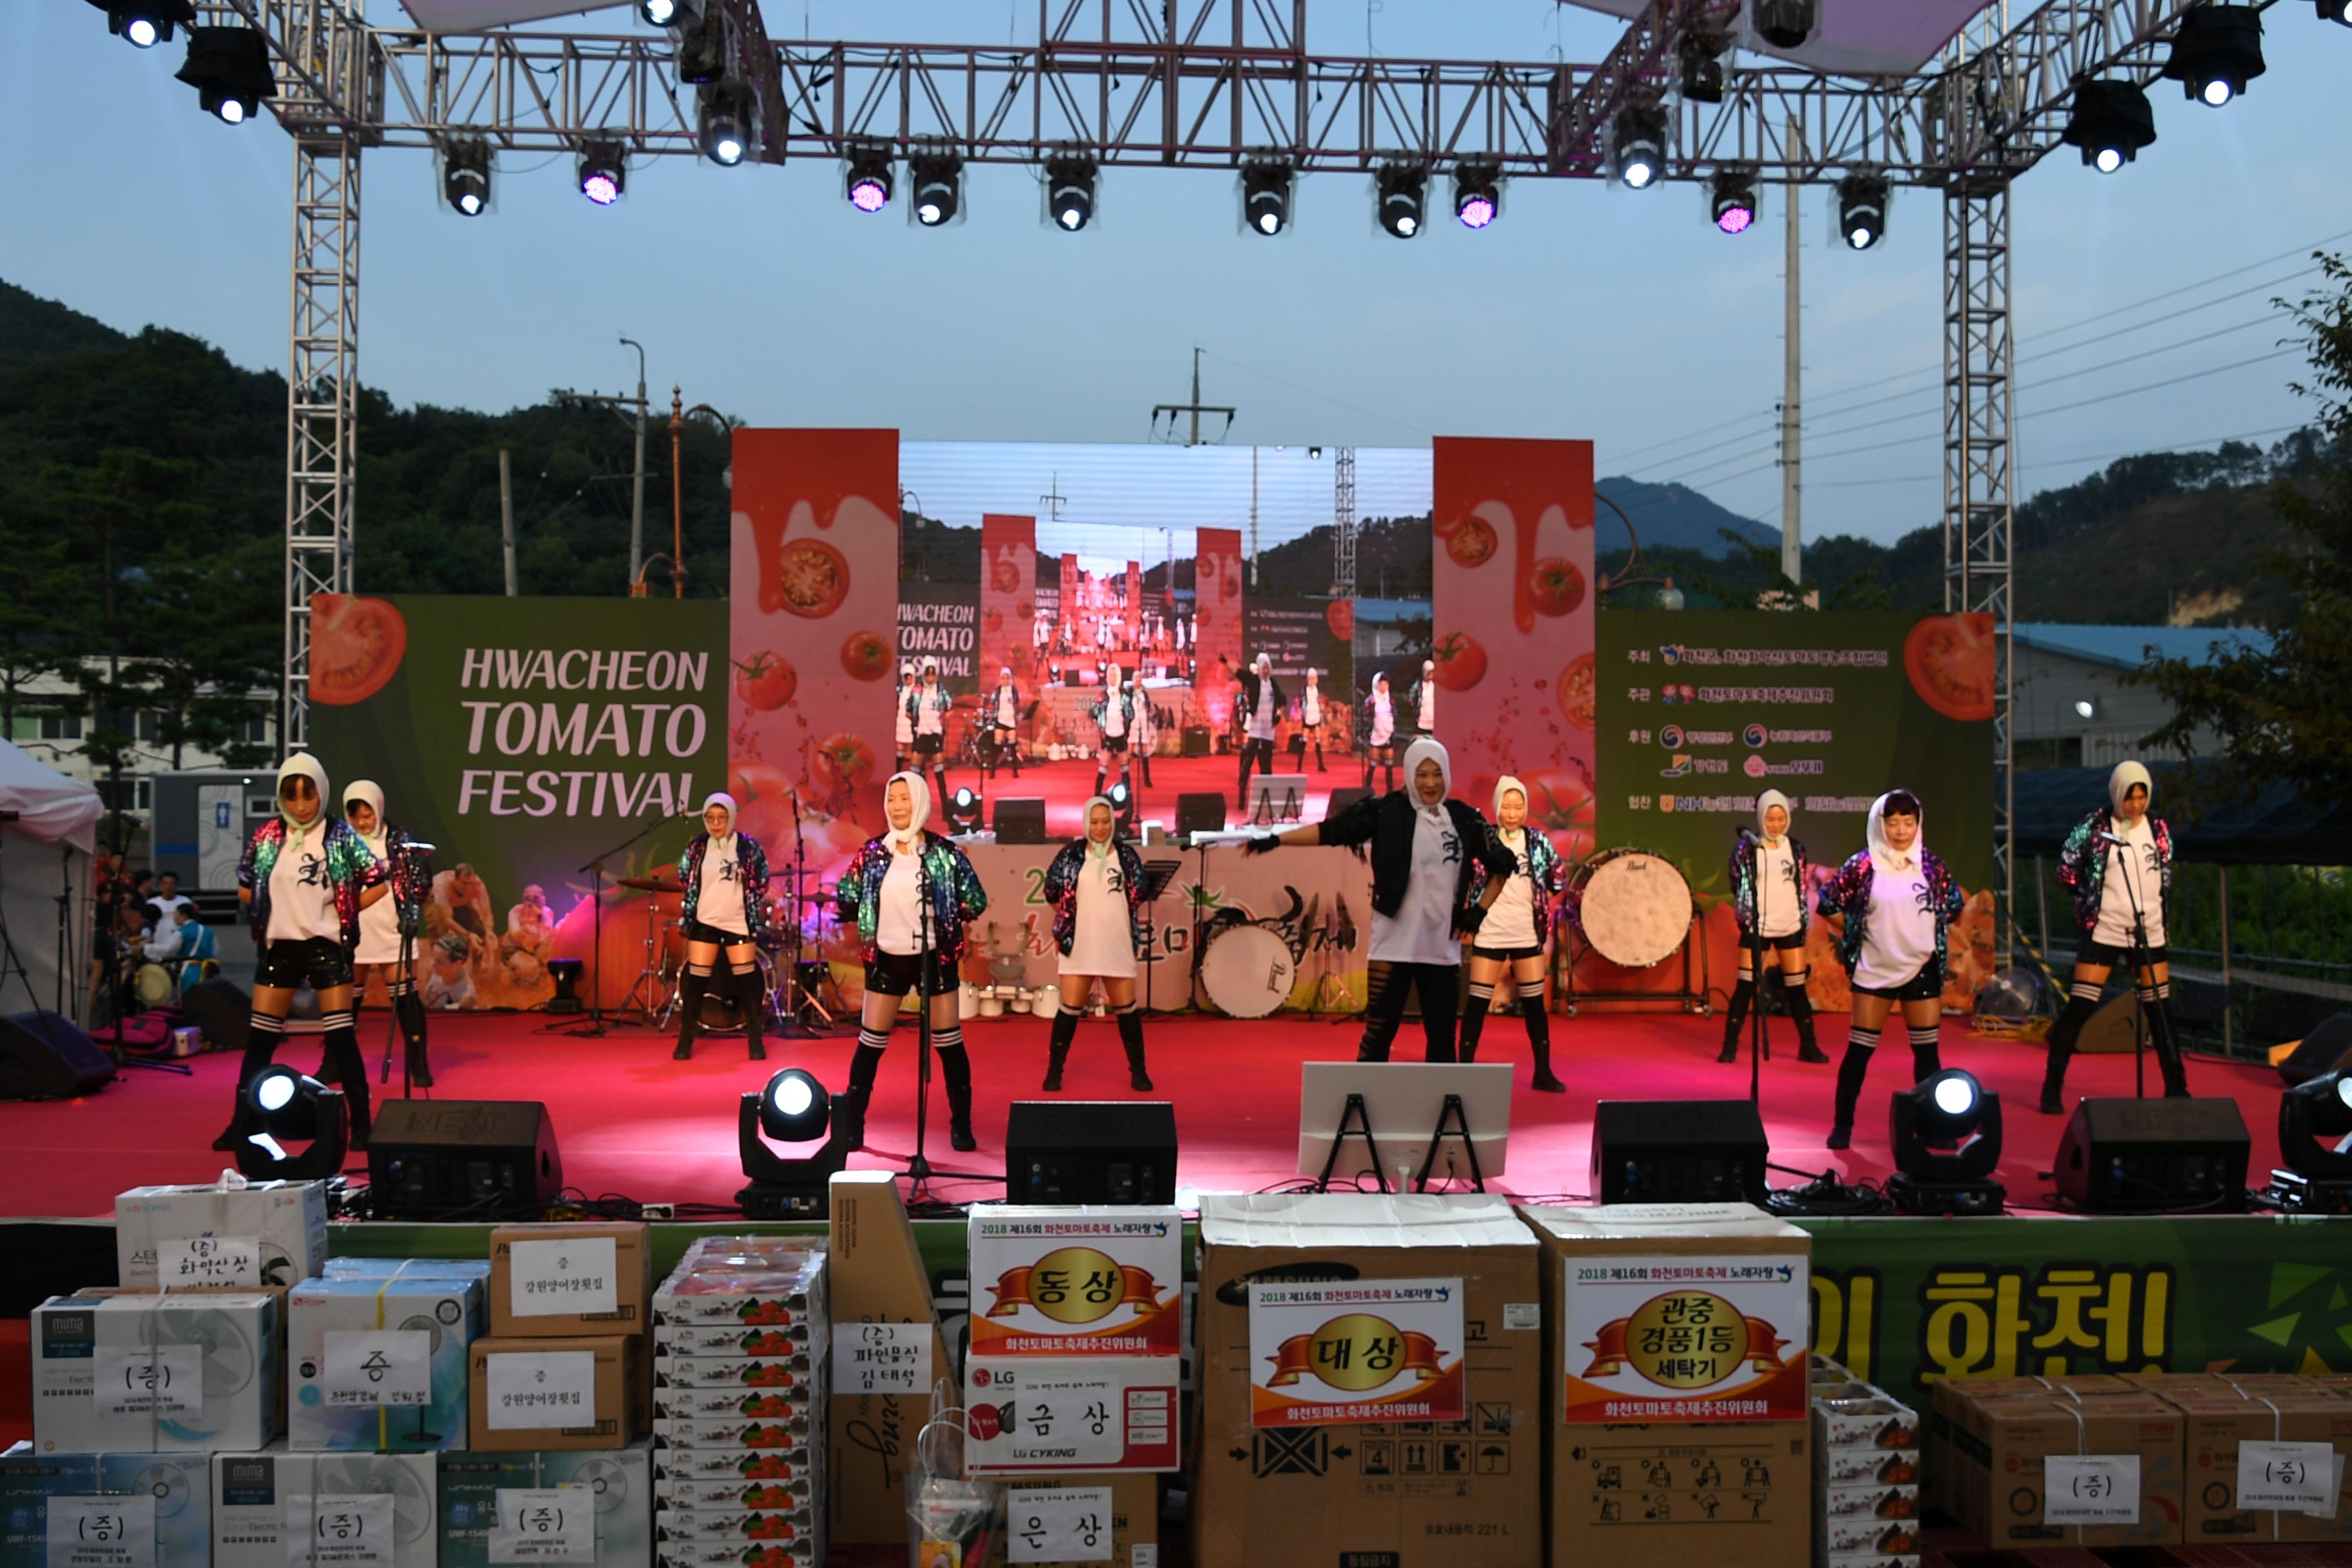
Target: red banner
pixel 1512 616
pixel 1008 603
pixel 814 609
pixel 1217 618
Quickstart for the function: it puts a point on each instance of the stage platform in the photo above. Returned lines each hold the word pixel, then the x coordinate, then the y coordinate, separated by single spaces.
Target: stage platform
pixel 631 1122
pixel 1066 786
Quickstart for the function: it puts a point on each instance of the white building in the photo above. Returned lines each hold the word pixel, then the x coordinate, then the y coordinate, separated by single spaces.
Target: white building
pixel 2071 707
pixel 45 727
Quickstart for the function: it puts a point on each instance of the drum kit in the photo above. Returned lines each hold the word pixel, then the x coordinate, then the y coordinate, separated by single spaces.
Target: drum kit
pixel 792 1001
pixel 1635 909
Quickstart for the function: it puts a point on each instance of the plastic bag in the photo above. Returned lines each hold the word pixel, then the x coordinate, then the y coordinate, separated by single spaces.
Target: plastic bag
pixel 951 1521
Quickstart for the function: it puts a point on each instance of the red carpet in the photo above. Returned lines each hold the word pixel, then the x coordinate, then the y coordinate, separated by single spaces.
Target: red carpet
pixel 631 1122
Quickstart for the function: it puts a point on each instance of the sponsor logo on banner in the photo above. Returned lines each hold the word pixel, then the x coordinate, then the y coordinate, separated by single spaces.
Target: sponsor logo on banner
pixel 1348 1353
pixel 1685 1338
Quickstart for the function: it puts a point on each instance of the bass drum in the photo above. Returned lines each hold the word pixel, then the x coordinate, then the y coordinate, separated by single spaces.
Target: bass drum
pixel 1247 971
pixel 1629 907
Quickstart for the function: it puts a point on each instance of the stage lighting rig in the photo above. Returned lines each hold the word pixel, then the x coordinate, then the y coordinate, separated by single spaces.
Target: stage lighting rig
pixel 1638 142
pixel 2111 122
pixel 229 69
pixel 1070 192
pixel 725 123
pixel 1733 199
pixel 938 189
pixel 2315 1142
pixel 670 13
pixel 1121 797
pixel 143 23
pixel 2336 11
pixel 1266 195
pixel 965 809
pixel 1862 210
pixel 1478 194
pixel 280 1103
pixel 1947 1138
pixel 1784 24
pixel 2216 51
pixel 604 173
pixel 792 1108
pixel 1703 67
pixel 1403 194
pixel 866 182
pixel 702 48
pixel 466 176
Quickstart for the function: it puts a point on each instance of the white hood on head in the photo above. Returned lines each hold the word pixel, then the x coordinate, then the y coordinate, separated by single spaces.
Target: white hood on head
pixel 310 767
pixel 1881 853
pixel 1512 836
pixel 371 792
pixel 1766 801
pixel 2127 774
pixel 1414 754
pixel 919 794
pixel 723 842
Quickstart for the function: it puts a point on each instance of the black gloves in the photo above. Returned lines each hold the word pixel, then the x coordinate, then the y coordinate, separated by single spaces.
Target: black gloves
pixel 1262 844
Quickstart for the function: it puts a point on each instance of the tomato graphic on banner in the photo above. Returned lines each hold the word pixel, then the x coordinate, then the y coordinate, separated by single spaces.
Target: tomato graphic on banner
pixel 1684 1338
pixel 1345 1354
pixel 1073 1281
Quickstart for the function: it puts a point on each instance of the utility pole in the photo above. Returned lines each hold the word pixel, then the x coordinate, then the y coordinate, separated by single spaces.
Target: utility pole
pixel 1792 394
pixel 506 518
pixel 633 411
pixel 1194 409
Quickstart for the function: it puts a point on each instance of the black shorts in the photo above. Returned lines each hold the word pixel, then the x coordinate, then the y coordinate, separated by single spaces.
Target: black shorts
pixel 697 932
pixel 321 961
pixel 1113 744
pixel 1921 987
pixel 895 974
pixel 1793 942
pixel 930 745
pixel 2099 956
pixel 1505 954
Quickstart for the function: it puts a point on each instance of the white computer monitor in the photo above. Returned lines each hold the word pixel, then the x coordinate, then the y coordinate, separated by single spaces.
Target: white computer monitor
pixel 1404 1102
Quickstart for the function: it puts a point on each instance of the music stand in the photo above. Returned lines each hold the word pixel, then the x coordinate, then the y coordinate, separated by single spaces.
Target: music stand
pixel 594 1026
pixel 1157 874
pixel 1451 1120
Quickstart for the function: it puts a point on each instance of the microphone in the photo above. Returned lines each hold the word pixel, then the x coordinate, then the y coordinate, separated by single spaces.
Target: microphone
pixel 418 846
pixel 2111 838
pixel 1747 834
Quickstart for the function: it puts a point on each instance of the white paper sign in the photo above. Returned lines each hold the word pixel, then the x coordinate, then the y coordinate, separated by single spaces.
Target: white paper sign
pixel 208 1260
pixel 2091 1489
pixel 102 1532
pixel 1073 1420
pixel 533 1391
pixel 545 1524
pixel 150 1382
pixel 2297 1477
pixel 882 1358
pixel 558 1278
pixel 341 1531
pixel 1059 1524
pixel 380 1366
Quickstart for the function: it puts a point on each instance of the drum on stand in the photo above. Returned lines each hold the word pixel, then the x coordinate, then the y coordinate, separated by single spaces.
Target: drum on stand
pixel 1247 971
pixel 1631 907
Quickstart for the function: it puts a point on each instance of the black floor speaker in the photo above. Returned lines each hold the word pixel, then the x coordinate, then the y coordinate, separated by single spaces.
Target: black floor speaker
pixel 44 1057
pixel 1090 1152
pixel 1678 1151
pixel 222 1010
pixel 481 1159
pixel 1200 811
pixel 1021 819
pixel 2320 1052
pixel 2153 1156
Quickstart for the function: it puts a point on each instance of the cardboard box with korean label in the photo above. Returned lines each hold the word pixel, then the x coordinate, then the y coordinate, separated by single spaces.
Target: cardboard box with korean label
pixel 51 1504
pixel 586 1392
pixel 380 1363
pixel 875 1278
pixel 1997 1452
pixel 1733 1494
pixel 2219 1423
pixel 1052 1281
pixel 1103 1519
pixel 512 1511
pixel 1679 1312
pixel 567 1281
pixel 284 1509
pixel 1460 1493
pixel 258 1233
pixel 1033 1413
pixel 194 1373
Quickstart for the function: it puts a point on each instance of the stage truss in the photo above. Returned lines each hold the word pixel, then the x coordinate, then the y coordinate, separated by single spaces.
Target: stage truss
pixel 1205 84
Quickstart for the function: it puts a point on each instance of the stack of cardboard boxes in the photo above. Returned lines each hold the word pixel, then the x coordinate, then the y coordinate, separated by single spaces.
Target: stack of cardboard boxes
pixel 1866 1473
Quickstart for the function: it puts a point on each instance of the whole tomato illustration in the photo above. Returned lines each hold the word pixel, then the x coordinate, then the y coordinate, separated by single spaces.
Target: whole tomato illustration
pixel 765 682
pixel 1339 615
pixel 865 656
pixel 841 762
pixel 1461 661
pixel 1556 584
pixel 355 647
pixel 811 578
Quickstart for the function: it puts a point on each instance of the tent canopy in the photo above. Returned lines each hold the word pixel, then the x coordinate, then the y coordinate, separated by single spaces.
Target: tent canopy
pixel 2275 827
pixel 50 807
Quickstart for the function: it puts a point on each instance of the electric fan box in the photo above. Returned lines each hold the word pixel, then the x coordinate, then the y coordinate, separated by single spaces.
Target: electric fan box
pixel 267 1509
pixel 621 1484
pixel 285 1222
pixel 183 1536
pixel 380 1363
pixel 176 1374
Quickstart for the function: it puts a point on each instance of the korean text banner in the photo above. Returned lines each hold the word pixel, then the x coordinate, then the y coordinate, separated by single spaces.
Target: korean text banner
pixel 1701 710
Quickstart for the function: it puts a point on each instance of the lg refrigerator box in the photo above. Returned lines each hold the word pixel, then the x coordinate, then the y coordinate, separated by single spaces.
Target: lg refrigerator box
pixel 1028 1415
pixel 2230 1439
pixel 2017 1481
pixel 1726 1494
pixel 285 1510
pixel 566 1282
pixel 519 1508
pixel 1099 1519
pixel 1367 1372
pixel 587 1393
pixel 171 1373
pixel 884 1352
pixel 50 1503
pixel 1075 1281
pixel 256 1233
pixel 380 1364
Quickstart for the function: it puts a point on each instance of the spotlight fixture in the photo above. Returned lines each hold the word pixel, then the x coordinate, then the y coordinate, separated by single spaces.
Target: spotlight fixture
pixel 282 1104
pixel 2336 11
pixel 466 176
pixel 939 188
pixel 792 1108
pixel 670 13
pixel 143 23
pixel 1784 24
pixel 1703 67
pixel 702 52
pixel 1070 192
pixel 603 173
pixel 1640 145
pixel 725 124
pixel 1734 200
pixel 1478 194
pixel 1266 196
pixel 965 809
pixel 1404 192
pixel 2111 122
pixel 1862 210
pixel 867 182
pixel 2315 1142
pixel 229 69
pixel 2216 51
pixel 1945 1134
pixel 566 974
pixel 1121 797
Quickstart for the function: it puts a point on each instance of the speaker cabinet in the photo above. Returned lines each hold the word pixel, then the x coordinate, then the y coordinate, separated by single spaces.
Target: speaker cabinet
pixel 483 1159
pixel 1090 1152
pixel 1678 1151
pixel 2153 1156
pixel 1200 811
pixel 1021 819
pixel 2320 1052
pixel 221 1010
pixel 43 1056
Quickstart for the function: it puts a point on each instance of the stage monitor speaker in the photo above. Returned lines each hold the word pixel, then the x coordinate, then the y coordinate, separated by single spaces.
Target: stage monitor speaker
pixel 221 1010
pixel 2115 1028
pixel 2320 1052
pixel 1196 740
pixel 481 1159
pixel 1341 799
pixel 44 1057
pixel 2153 1156
pixel 1020 820
pixel 1090 1152
pixel 1678 1151
pixel 1200 811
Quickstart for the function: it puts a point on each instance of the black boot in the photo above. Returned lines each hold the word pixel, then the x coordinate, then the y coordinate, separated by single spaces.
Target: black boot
pixel 262 1035
pixel 1367 778
pixel 1473 1021
pixel 1130 1035
pixel 2080 1006
pixel 1860 1046
pixel 408 1008
pixel 849 1111
pixel 752 996
pixel 1065 1029
pixel 1926 1061
pixel 342 1043
pixel 1531 1008
pixel 1318 757
pixel 691 984
pixel 1388 778
pixel 1098 782
pixel 1800 1014
pixel 955 1066
pixel 2167 1044
pixel 1743 997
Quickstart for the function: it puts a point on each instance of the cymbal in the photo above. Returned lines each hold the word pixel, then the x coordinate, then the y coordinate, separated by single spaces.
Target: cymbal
pixel 647 884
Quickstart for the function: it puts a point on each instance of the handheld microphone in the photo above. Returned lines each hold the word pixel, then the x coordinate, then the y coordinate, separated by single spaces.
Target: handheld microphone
pixel 1747 834
pixel 2111 838
pixel 418 846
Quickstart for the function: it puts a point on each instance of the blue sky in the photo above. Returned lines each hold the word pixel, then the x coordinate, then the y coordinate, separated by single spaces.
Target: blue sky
pixel 1586 311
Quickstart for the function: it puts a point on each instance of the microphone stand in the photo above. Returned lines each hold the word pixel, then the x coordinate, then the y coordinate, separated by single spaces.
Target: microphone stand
pixel 2141 1028
pixel 594 1028
pixel 790 1025
pixel 407 973
pixel 1760 1044
pixel 919 1170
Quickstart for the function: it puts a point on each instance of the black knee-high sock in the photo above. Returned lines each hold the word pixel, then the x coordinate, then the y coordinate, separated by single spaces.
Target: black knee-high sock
pixel 408 1010
pixel 1130 1035
pixel 1538 1023
pixel 751 994
pixel 1800 1006
pixel 262 1035
pixel 2158 1001
pixel 2080 1003
pixel 1058 1046
pixel 1860 1045
pixel 1926 1061
pixel 1743 997
pixel 955 1068
pixel 342 1043
pixel 1388 776
pixel 691 987
pixel 1474 1019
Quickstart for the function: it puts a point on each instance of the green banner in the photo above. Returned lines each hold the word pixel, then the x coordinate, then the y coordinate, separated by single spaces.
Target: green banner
pixel 1699 711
